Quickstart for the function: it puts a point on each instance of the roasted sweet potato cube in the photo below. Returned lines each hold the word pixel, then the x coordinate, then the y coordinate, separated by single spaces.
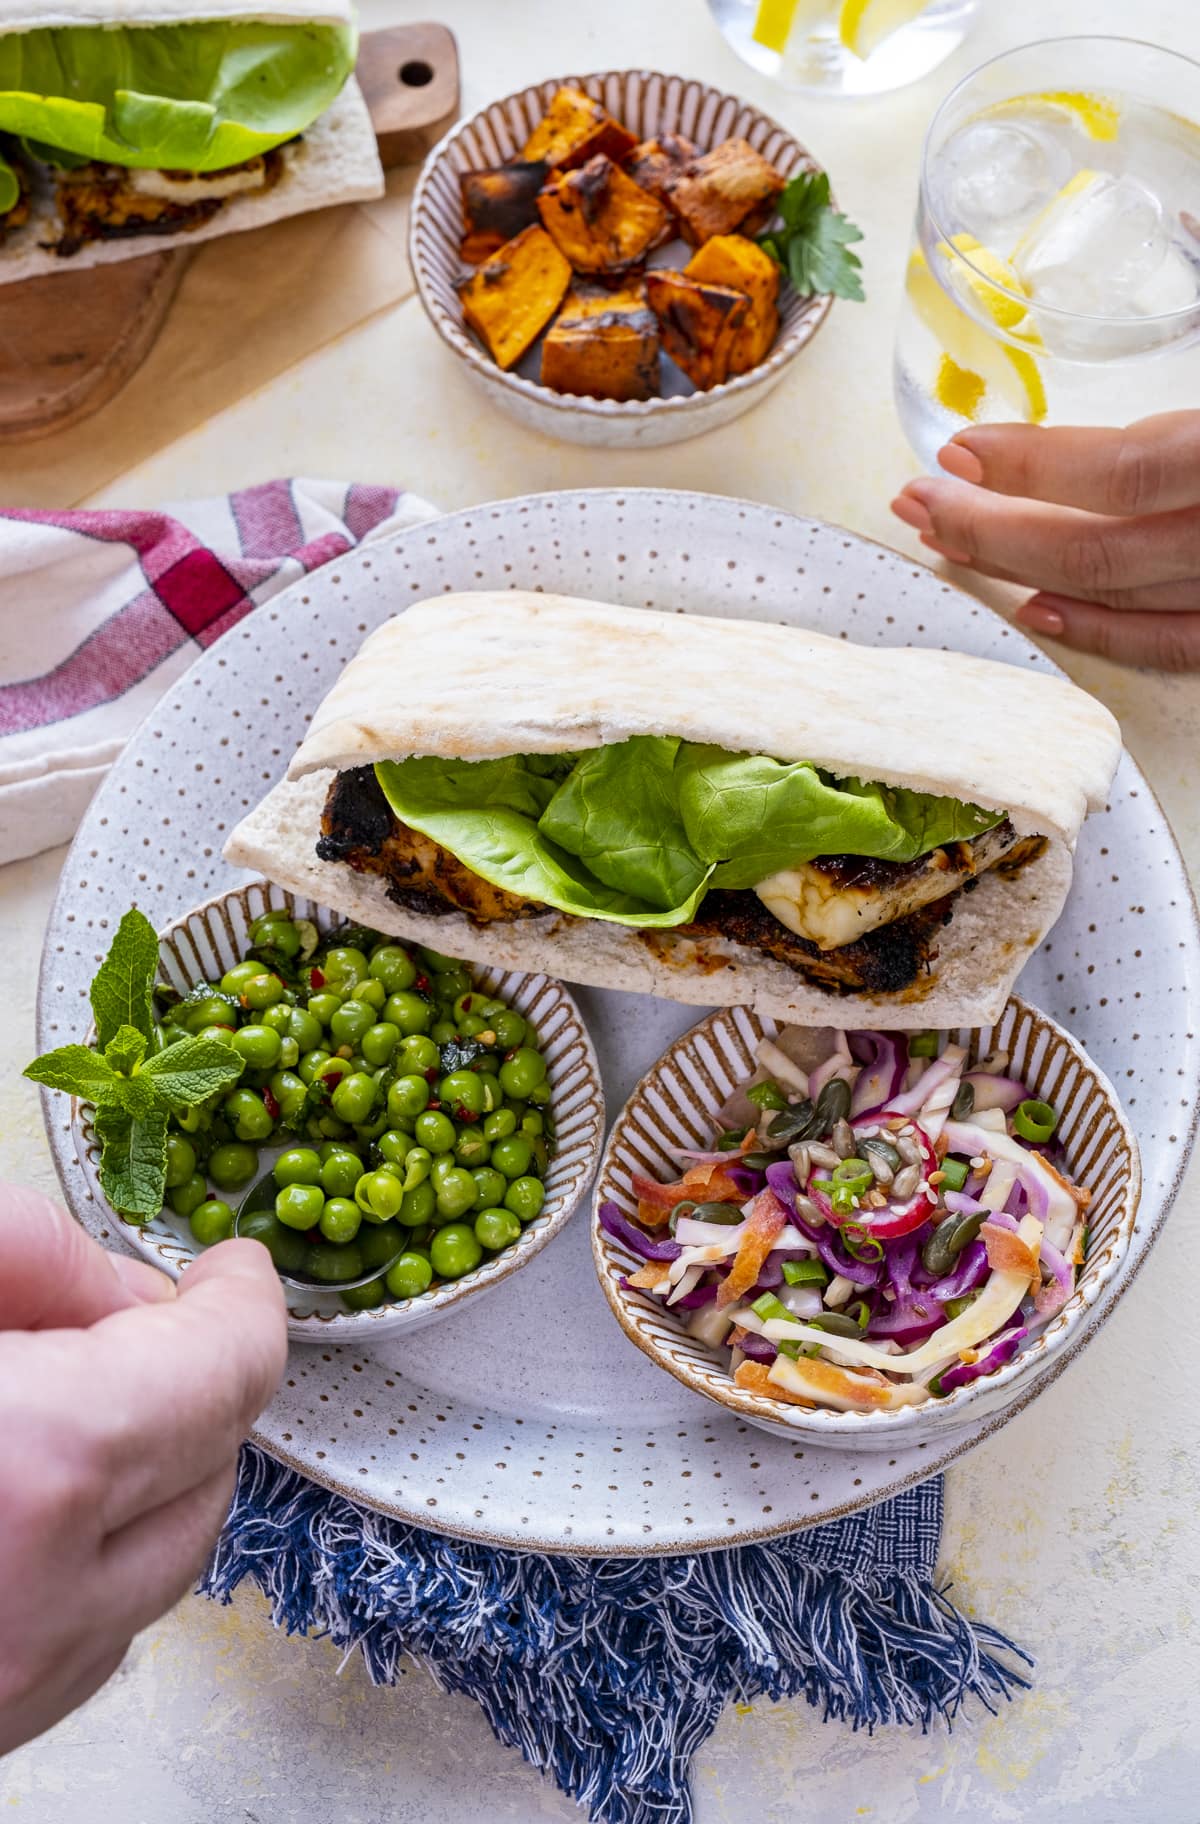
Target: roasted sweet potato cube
pixel 497 205
pixel 731 187
pixel 603 343
pixel 513 295
pixel 699 323
pixel 730 259
pixel 574 129
pixel 599 218
pixel 658 164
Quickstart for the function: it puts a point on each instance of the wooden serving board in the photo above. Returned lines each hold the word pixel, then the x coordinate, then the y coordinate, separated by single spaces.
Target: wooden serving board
pixel 70 340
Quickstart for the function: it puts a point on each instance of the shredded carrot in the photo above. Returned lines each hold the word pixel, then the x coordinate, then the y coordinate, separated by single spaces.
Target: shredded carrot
pixel 703 1183
pixel 647 1277
pixel 765 1218
pixel 754 1377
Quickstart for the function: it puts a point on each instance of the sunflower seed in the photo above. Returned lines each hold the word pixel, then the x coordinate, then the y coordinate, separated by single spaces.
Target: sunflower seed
pixel 842 1140
pixel 908 1149
pixel 808 1212
pixel 823 1155
pixel 882 1171
pixel 906 1182
pixel 801 1162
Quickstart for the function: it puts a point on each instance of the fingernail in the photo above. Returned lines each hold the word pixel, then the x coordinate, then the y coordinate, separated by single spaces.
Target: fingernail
pixel 961 463
pixel 1040 617
pixel 914 513
pixel 951 553
pixel 142 1281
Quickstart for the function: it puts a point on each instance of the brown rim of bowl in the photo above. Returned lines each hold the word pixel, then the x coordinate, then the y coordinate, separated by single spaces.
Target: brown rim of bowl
pixel 456 337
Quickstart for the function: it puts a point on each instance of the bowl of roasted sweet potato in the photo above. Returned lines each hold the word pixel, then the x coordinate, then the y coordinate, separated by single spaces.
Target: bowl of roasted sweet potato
pixel 598 252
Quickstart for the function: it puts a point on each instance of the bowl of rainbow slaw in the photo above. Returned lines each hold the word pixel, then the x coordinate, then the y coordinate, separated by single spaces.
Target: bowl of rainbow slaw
pixel 865 1235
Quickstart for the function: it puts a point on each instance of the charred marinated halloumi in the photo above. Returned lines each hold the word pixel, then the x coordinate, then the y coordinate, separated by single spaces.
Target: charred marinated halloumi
pixel 101 202
pixel 836 899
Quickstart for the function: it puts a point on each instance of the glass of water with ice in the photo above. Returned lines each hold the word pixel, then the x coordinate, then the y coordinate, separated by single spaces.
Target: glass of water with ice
pixel 1055 274
pixel 844 47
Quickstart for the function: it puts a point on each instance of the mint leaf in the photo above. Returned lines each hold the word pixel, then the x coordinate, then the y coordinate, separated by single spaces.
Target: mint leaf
pixel 79 1071
pixel 125 1049
pixel 813 244
pixel 192 1071
pixel 137 1095
pixel 133 1160
pixel 122 993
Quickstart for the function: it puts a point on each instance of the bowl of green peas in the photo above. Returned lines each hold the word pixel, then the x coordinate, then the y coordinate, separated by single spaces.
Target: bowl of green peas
pixel 406 1129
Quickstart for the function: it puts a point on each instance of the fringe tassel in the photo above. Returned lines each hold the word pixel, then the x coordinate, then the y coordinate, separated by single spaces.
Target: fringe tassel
pixel 608 1674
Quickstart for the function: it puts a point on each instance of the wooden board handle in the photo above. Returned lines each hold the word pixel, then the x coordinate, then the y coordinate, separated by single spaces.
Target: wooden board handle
pixel 409 76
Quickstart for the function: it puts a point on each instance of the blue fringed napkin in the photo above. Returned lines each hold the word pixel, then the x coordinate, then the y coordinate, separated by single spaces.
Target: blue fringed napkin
pixel 609 1673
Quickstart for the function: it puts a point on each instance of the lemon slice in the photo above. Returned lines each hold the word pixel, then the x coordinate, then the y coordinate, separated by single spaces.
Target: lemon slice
pixel 971 275
pixel 864 24
pixel 1098 115
pixel 776 20
pixel 959 390
pixel 1010 372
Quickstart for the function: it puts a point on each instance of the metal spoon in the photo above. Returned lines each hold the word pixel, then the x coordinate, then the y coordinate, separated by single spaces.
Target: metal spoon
pixel 261 1196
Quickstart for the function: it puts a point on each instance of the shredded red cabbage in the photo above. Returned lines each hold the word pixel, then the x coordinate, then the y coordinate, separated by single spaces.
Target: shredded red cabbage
pixel 758 1348
pixel 698 1296
pixel 884 1058
pixel 782 1180
pixel 970 1273
pixel 635 1239
pixel 1002 1350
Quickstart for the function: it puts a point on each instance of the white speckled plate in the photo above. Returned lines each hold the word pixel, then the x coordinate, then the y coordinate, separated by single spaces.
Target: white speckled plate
pixel 530 1419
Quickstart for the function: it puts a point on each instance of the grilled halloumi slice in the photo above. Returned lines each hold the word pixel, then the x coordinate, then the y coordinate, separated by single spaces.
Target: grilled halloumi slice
pixel 836 899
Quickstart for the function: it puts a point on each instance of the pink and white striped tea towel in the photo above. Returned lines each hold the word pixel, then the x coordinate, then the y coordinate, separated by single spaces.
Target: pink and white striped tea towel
pixel 101 611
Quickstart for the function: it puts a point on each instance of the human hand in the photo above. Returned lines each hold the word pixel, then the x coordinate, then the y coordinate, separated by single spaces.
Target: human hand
pixel 1103 524
pixel 122 1405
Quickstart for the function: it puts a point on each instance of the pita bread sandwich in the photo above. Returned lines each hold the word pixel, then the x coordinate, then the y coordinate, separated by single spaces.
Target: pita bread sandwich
pixel 716 811
pixel 141 124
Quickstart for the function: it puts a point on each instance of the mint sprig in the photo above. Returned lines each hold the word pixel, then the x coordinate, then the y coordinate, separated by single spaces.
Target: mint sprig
pixel 813 245
pixel 133 1081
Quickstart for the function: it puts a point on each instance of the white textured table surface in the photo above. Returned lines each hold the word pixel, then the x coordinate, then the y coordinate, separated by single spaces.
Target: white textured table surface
pixel 1078 1527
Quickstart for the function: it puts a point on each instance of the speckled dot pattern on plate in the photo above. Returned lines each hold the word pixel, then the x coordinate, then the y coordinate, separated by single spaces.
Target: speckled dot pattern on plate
pixel 528 1418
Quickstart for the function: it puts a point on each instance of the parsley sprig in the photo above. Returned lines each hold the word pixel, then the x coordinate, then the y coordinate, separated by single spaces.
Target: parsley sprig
pixel 133 1084
pixel 813 245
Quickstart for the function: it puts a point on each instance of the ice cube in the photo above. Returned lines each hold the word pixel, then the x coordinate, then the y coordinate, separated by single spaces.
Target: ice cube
pixel 1096 247
pixel 994 176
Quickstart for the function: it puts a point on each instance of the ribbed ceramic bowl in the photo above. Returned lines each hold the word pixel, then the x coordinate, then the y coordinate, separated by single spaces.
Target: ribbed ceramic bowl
pixel 201 945
pixel 647 103
pixel 675 1106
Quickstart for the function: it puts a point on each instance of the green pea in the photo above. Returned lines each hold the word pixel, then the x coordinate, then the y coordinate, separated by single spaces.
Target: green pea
pixel 454 1251
pixel 540 1094
pixel 520 1073
pixel 378 1243
pixel 379 1042
pixel 364 1297
pixel 304 1027
pixel 434 961
pixel 188 1196
pixel 344 966
pixel 512 1156
pixel 329 1147
pixel 500 1124
pixel 461 1089
pixel 525 1197
pixel 443 1031
pixel 393 966
pixel 434 1130
pixel 371 1130
pixel 395 1146
pixel 472 1025
pixel 533 1124
pixel 416 1168
pixel 231 1165
pixel 469 1002
pixel 354 1097
pixel 456 1193
pixel 278 1018
pixel 213 1010
pixel 212 1221
pixel 350 1022
pixel 449 984
pixel 417 1207
pixel 340 1172
pixel 260 1046
pixel 496 1228
pixel 286 1248
pixel 181 1160
pixel 509 1028
pixel 379 1196
pixel 222 1034
pixel 490 1187
pixel 370 994
pixel 289 1053
pixel 312 1064
pixel 409 1012
pixel 275 931
pixel 235 979
pixel 323 1006
pixel 328 1127
pixel 299 1206
pixel 340 1219
pixel 471 1149
pixel 407 1097
pixel 443 1163
pixel 418 1053
pixel 330 1263
pixel 247 1114
pixel 260 991
pixel 298 1165
pixel 411 1275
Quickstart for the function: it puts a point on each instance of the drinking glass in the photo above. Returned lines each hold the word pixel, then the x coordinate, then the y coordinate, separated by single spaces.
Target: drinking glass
pixel 1055 270
pixel 844 47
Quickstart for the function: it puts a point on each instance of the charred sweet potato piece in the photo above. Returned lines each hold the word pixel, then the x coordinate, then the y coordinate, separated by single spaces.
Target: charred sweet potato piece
pixel 603 343
pixel 730 259
pixel 699 324
pixel 513 295
pixel 575 128
pixel 731 187
pixel 658 164
pixel 497 205
pixel 599 218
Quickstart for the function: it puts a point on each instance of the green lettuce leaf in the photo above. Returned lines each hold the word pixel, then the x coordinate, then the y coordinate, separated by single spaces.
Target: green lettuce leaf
pixel 192 97
pixel 10 189
pixel 618 813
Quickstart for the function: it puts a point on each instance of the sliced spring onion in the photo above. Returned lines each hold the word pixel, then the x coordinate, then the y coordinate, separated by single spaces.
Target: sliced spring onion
pixel 1034 1120
pixel 768 1306
pixel 855 1174
pixel 767 1095
pixel 955 1173
pixel 923 1045
pixel 860 1244
pixel 956 1306
pixel 840 1195
pixel 860 1311
pixel 805 1273
pixel 792 1350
